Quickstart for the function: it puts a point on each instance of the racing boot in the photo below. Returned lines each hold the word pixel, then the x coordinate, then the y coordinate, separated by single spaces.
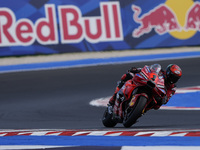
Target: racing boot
pixel 119 86
pixel 113 98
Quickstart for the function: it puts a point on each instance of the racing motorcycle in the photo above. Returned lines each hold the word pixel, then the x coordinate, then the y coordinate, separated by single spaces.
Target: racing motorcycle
pixel 138 95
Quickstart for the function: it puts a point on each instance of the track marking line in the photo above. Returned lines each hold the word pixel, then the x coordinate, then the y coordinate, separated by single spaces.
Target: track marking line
pixel 103 101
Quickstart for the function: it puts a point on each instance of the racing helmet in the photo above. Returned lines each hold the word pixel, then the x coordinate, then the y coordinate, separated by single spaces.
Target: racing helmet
pixel 173 73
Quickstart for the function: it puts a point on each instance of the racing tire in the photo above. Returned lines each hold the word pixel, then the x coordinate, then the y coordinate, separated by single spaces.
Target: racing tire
pixel 135 112
pixel 108 120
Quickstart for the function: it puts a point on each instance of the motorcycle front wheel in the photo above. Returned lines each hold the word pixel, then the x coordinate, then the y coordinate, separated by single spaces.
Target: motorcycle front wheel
pixel 134 113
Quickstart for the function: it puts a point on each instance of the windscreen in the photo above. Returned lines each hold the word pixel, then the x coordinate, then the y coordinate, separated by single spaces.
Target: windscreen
pixel 155 68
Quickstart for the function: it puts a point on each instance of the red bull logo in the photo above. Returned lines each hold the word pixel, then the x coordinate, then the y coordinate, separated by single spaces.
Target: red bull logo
pixel 180 18
pixel 193 18
pixel 73 26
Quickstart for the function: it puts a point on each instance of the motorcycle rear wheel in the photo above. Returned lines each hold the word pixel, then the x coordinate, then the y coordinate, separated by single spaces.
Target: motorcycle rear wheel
pixel 136 112
pixel 108 120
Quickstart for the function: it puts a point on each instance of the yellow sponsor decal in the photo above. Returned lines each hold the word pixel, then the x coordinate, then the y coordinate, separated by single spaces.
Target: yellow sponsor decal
pixel 132 102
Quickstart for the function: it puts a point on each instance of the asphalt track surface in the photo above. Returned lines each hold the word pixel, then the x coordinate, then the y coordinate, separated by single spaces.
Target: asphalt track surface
pixel 59 99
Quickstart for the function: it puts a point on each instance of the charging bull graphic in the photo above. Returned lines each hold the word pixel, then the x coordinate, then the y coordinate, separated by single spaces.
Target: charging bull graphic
pixel 193 18
pixel 162 19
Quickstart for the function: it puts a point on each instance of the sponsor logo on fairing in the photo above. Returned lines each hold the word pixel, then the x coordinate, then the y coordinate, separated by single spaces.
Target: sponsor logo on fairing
pixel 73 26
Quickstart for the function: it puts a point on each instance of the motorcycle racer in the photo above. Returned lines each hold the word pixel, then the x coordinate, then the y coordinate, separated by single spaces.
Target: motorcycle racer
pixel 171 76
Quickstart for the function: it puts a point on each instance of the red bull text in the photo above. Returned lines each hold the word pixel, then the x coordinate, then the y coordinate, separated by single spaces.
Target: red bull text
pixel 73 26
